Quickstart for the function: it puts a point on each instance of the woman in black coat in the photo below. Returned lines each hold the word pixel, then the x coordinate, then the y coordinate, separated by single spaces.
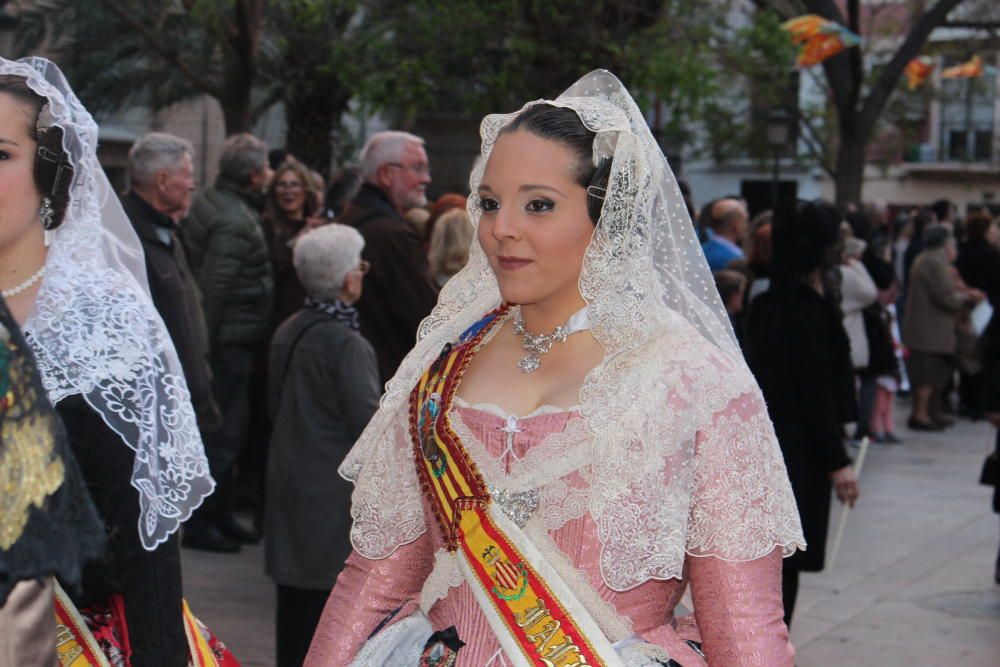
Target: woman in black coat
pixel 798 350
pixel 978 264
pixel 991 338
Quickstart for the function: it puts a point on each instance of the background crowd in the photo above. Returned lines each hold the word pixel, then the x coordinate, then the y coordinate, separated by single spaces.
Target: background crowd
pixel 292 299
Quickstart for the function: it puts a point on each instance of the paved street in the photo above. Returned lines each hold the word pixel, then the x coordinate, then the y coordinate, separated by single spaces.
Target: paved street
pixel 912 586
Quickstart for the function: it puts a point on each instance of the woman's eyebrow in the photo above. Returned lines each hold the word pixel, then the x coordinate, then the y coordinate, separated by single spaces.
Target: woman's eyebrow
pixel 483 187
pixel 533 186
pixel 9 141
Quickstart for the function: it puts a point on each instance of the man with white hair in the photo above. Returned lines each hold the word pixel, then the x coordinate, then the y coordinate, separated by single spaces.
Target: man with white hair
pixel 398 292
pixel 162 180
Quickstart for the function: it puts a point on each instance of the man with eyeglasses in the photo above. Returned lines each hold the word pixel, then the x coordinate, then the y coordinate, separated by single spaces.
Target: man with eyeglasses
pixel 398 292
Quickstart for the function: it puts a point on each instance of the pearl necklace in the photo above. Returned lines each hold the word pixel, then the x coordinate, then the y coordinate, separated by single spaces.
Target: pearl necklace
pixel 538 344
pixel 17 289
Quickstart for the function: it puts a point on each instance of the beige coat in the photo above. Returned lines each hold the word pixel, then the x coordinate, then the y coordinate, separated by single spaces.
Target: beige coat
pixel 857 292
pixel 933 302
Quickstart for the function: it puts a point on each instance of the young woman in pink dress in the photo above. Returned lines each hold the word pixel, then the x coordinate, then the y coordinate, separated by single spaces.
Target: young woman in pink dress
pixel 575 438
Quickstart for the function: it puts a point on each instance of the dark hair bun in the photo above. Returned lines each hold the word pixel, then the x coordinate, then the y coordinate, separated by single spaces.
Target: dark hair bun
pixel 53 172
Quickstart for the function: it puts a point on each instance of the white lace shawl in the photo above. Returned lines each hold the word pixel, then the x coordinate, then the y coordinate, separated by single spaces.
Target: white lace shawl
pixel 95 331
pixel 671 364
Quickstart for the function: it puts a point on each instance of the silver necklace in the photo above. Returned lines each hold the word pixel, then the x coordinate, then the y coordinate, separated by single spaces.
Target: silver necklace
pixel 538 344
pixel 17 289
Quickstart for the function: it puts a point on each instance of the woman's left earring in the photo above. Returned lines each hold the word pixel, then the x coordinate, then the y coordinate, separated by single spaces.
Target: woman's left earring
pixel 45 213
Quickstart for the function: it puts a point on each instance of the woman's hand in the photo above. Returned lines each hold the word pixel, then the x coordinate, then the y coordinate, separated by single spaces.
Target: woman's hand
pixel 845 484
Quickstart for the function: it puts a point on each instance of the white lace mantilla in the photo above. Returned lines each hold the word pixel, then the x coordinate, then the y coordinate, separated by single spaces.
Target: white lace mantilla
pixel 95 331
pixel 671 369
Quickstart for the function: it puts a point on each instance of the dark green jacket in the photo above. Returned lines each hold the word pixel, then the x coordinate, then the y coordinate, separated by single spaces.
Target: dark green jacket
pixel 228 255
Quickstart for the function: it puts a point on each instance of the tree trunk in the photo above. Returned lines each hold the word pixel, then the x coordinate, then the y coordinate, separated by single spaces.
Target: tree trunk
pixel 312 112
pixel 850 165
pixel 236 112
pixel 239 67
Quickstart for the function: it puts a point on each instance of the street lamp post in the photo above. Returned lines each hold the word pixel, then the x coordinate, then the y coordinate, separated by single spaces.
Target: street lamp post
pixel 777 137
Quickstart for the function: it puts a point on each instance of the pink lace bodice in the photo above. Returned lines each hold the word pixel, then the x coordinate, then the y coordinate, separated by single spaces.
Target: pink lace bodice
pixel 738 606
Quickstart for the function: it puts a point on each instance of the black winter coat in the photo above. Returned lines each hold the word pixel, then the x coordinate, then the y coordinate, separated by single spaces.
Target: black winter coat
pixel 798 350
pixel 289 295
pixel 176 297
pixel 979 265
pixel 398 292
pixel 991 361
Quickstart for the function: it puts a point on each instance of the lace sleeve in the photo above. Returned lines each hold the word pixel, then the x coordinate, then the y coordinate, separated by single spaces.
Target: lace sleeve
pixel 386 505
pixel 741 503
pixel 366 593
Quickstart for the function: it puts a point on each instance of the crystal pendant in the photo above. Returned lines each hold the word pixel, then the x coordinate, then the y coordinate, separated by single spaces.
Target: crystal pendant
pixel 529 363
pixel 518 506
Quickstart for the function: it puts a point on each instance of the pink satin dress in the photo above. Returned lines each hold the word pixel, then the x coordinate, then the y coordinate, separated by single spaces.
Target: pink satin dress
pixel 738 608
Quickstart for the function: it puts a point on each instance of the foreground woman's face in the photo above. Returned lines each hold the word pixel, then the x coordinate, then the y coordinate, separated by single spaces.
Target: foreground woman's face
pixel 534 226
pixel 19 198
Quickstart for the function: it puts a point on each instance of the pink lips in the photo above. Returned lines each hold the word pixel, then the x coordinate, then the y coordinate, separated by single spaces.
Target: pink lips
pixel 512 263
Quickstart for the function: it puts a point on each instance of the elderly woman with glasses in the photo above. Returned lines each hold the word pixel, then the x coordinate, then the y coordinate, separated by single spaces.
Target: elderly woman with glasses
pixel 323 388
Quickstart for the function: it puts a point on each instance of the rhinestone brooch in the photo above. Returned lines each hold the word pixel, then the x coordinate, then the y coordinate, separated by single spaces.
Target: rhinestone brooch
pixel 517 505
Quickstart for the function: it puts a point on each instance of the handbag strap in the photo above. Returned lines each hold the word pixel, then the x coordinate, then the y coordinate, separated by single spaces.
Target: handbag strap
pixel 294 344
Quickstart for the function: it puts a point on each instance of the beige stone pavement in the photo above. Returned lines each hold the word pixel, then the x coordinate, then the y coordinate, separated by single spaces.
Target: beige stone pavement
pixel 912 586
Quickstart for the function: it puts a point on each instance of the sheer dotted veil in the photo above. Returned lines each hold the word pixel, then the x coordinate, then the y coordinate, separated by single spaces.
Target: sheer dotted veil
pixel 95 331
pixel 671 364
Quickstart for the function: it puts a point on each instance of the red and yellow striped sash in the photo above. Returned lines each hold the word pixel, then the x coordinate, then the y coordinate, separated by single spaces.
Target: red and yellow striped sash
pixel 540 623
pixel 75 644
pixel 77 647
pixel 201 652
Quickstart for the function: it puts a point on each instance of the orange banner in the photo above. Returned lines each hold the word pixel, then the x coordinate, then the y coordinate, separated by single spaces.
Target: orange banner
pixel 968 70
pixel 917 71
pixel 818 38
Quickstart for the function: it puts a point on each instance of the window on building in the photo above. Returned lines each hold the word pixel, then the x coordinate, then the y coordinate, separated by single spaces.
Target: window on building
pixel 967 117
pixel 983 146
pixel 957 143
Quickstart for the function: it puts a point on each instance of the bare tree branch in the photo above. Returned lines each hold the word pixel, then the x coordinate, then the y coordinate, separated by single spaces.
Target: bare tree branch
pixel 854 54
pixel 272 97
pixel 890 75
pixel 816 145
pixel 161 49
